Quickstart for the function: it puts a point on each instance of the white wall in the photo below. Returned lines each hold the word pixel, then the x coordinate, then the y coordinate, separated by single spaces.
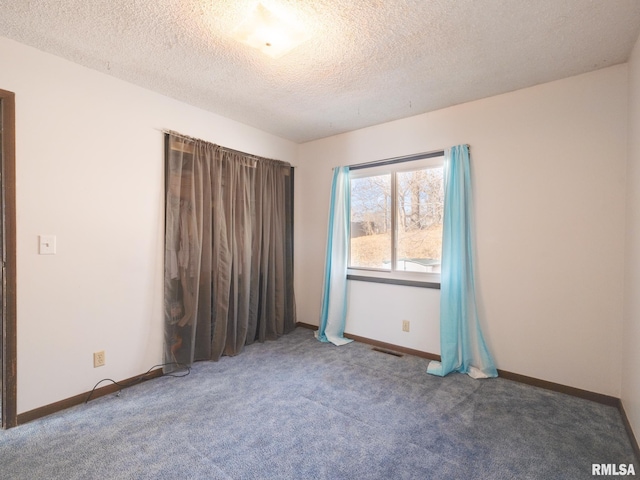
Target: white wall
pixel 548 166
pixel 631 328
pixel 90 170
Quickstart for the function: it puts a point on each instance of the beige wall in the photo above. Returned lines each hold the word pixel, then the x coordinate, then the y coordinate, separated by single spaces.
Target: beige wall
pixel 549 173
pixel 90 170
pixel 631 330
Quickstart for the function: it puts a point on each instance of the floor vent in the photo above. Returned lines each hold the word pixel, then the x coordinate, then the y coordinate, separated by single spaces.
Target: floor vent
pixel 388 352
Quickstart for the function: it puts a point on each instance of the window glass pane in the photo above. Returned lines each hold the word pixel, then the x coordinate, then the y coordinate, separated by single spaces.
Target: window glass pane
pixel 371 222
pixel 420 203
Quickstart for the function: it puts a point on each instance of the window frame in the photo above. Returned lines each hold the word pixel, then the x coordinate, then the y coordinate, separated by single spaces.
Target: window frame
pixel 393 166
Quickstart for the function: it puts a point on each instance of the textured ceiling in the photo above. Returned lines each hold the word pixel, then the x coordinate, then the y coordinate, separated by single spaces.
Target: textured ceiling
pixel 367 62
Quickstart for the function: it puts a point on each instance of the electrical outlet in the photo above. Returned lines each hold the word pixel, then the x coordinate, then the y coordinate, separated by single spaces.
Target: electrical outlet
pixel 98 359
pixel 405 325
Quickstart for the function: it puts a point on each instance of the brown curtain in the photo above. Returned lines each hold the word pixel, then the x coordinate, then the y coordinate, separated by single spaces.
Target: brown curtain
pixel 228 250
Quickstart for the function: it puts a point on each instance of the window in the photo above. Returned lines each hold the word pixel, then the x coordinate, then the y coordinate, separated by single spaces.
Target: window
pixel 396 219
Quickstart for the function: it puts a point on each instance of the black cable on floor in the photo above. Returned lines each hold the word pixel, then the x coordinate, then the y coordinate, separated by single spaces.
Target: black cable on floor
pixel 141 377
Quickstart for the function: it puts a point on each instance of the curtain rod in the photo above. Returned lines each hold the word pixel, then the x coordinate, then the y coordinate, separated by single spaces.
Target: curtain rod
pixel 226 149
pixel 391 161
pixel 406 158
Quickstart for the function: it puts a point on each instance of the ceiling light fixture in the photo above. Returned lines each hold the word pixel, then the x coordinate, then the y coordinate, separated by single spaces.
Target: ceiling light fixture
pixel 269 33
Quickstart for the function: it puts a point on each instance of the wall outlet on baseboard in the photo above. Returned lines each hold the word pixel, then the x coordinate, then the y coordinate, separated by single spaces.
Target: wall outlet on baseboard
pixel 98 359
pixel 406 325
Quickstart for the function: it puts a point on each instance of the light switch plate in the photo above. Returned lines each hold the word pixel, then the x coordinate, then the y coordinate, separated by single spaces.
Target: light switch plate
pixel 47 245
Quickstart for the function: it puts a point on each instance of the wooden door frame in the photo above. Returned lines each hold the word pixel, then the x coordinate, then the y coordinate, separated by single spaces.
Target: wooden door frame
pixel 9 384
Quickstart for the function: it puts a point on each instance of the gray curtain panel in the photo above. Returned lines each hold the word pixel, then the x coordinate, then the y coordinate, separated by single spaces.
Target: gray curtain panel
pixel 228 250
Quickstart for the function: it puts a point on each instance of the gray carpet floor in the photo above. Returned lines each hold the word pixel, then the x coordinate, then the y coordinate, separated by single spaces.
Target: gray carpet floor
pixel 298 409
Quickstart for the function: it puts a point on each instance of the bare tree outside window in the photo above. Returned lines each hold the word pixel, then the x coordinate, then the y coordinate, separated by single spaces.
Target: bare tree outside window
pixel 418 208
pixel 420 196
pixel 371 221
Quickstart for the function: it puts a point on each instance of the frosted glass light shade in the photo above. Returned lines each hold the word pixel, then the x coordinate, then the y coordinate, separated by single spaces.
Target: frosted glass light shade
pixel 269 33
